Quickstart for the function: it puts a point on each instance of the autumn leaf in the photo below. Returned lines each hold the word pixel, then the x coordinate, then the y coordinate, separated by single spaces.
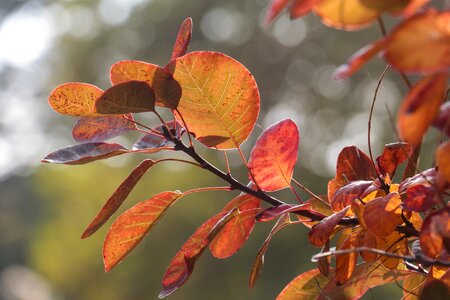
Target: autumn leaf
pixel 393 243
pixel 419 198
pixel 301 7
pixel 274 9
pixel 443 160
pixel 420 107
pixel 117 198
pixel 99 129
pixel 273 212
pixel 183 39
pixel 220 98
pixel 393 155
pixel 127 97
pixel 320 206
pixel 382 215
pixel 346 263
pixel 435 233
pixel 425 177
pixel 369 241
pixel 413 285
pixel 442 120
pixel 75 99
pixel 84 153
pixel 436 290
pixel 153 141
pixel 274 155
pixel 306 286
pixel 351 192
pixel 133 225
pixel 320 233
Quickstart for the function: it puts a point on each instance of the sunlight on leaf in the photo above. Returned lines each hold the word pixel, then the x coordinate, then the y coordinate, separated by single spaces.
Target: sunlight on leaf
pixel 306 286
pixel 183 39
pixel 320 233
pixel 435 233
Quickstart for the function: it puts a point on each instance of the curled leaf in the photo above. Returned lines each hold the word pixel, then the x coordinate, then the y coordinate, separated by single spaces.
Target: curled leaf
pixel 320 233
pixel 349 193
pixel 393 155
pixel 183 39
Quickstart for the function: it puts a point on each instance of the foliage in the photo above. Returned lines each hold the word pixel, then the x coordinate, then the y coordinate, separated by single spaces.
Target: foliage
pixel 399 231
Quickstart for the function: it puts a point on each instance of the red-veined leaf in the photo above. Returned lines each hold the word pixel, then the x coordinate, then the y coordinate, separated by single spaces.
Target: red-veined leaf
pixel 425 177
pixel 420 107
pixel 393 155
pixel 442 120
pixel 75 99
pixel 435 233
pixel 382 215
pixel 306 286
pixel 413 285
pixel 127 97
pixel 301 7
pixel 84 153
pixel 435 289
pixel 167 90
pixel 346 263
pixel 182 265
pixel 153 141
pixel 274 156
pixel 419 197
pixel 131 227
pixel 282 222
pixel 99 129
pixel 275 8
pixel 349 193
pixel 443 160
pixel 320 233
pixel 118 197
pixel 183 39
pixel 273 212
pixel 220 98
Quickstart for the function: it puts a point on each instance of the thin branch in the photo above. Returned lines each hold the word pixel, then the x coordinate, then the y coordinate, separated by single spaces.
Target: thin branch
pixel 178 160
pixel 309 191
pixel 206 189
pixel 185 126
pixel 153 131
pixel 227 163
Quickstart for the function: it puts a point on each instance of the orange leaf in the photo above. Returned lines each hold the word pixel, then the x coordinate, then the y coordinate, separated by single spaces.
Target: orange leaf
pixel 75 99
pixel 274 156
pixel 382 215
pixel 275 8
pixel 346 263
pixel 320 233
pixel 130 227
pixel 273 212
pixel 84 153
pixel 443 160
pixel 420 107
pixel 99 129
pixel 319 206
pixel 368 240
pixel 127 97
pixel 413 285
pixel 349 193
pixel 220 99
pixel 301 7
pixel 306 286
pixel 183 39
pixel 167 90
pixel 420 44
pixel 394 243
pixel 436 290
pixel 435 233
pixel 118 197
pixel 393 155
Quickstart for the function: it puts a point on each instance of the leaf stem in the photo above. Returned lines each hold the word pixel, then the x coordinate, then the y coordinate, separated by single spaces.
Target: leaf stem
pixel 206 189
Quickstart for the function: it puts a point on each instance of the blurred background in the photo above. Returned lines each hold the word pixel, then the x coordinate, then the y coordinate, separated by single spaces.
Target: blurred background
pixel 45 208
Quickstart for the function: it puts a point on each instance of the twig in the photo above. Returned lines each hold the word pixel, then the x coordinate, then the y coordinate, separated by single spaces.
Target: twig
pixel 206 189
pixel 309 191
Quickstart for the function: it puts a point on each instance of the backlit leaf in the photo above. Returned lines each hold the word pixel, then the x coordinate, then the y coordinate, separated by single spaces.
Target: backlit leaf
pixel 275 8
pixel 183 39
pixel 394 243
pixel 443 160
pixel 346 263
pixel 320 206
pixel 99 129
pixel 419 197
pixel 425 177
pixel 382 215
pixel 368 240
pixel 117 198
pixel 153 141
pixel 349 193
pixel 220 98
pixel 442 120
pixel 84 153
pixel 420 107
pixel 127 97
pixel 274 156
pixel 167 90
pixel 306 286
pixel 393 155
pixel 420 44
pixel 435 233
pixel 413 285
pixel 273 212
pixel 320 233
pixel 75 99
pixel 131 227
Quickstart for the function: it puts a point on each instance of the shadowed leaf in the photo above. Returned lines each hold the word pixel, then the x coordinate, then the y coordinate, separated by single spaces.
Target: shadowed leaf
pixel 393 243
pixel 436 290
pixel 442 120
pixel 117 198
pixel 320 206
pixel 320 233
pixel 274 156
pixel 306 286
pixel 183 39
pixel 413 285
pixel 349 193
pixel 274 9
pixel 393 155
pixel 131 227
pixel 75 99
pixel 419 197
pixel 435 233
pixel 153 141
pixel 84 153
pixel 220 98
pixel 424 177
pixel 127 97
pixel 273 212
pixel 382 215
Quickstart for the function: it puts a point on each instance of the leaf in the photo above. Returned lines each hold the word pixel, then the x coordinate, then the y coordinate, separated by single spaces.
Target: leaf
pixel 306 286
pixel 443 160
pixel 436 290
pixel 352 164
pixel 275 8
pixel 301 7
pixel 320 233
pixel 273 212
pixel 99 129
pixel 84 153
pixel 382 215
pixel 127 97
pixel 424 177
pixel 167 90
pixel 282 222
pixel 359 59
pixel 368 240
pixel 118 197
pixel 393 155
pixel 349 193
pixel 419 198
pixel 153 141
pixel 420 107
pixel 393 243
pixel 236 232
pixel 182 265
pixel 274 156
pixel 413 285
pixel 346 263
pixel 75 99
pixel 420 44
pixel 321 207
pixel 131 227
pixel 220 98
pixel 183 39
pixel 442 120
pixel 435 233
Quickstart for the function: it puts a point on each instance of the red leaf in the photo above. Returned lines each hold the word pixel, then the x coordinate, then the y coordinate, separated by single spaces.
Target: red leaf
pixel 382 215
pixel 118 197
pixel 274 156
pixel 130 227
pixel 436 290
pixel 306 286
pixel 346 263
pixel 442 120
pixel 182 265
pixel 273 212
pixel 84 153
pixel 443 160
pixel 349 193
pixel 435 233
pixel 419 197
pixel 352 164
pixel 393 155
pixel 99 129
pixel 282 222
pixel 302 7
pixel 320 233
pixel 425 177
pixel 420 107
pixel 183 39
pixel 153 141
pixel 275 8
pixel 127 97
pixel 320 206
